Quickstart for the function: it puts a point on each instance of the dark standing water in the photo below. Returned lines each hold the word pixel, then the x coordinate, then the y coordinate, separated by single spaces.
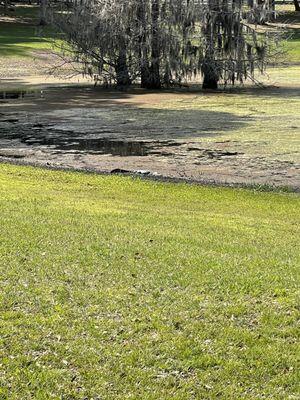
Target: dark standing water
pixel 94 145
pixel 19 94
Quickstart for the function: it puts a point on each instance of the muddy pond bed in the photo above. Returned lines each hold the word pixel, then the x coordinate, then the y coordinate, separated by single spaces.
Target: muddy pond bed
pixel 111 131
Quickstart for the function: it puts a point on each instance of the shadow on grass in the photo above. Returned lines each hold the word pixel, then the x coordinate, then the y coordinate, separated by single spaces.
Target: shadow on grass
pixel 20 12
pixel 15 51
pixel 268 91
pixel 288 17
pixel 21 39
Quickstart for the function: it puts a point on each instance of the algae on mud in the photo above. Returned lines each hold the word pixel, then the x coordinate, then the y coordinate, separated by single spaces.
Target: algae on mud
pixel 254 125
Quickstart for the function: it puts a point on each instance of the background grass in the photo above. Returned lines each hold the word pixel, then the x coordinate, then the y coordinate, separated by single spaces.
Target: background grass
pixel 116 288
pixel 22 36
pixel 291 19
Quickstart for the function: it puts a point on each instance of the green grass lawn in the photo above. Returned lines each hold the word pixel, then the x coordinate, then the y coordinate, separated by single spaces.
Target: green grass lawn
pixel 115 288
pixel 20 40
pixel 22 37
pixel 292 44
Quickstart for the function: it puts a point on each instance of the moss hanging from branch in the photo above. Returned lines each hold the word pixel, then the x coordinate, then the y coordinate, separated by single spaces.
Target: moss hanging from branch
pixel 159 42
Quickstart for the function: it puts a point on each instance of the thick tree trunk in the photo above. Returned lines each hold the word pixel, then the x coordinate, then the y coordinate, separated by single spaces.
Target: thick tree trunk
pixel 209 72
pixel 143 53
pixel 297 5
pixel 210 76
pixel 209 83
pixel 43 12
pixel 145 75
pixel 150 69
pixel 122 74
pixel 6 6
pixel 154 81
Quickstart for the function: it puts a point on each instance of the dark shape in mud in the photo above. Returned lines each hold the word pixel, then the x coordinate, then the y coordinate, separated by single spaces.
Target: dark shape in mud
pixel 220 153
pixel 11 155
pixel 120 171
pixel 214 153
pixel 19 94
pixel 10 120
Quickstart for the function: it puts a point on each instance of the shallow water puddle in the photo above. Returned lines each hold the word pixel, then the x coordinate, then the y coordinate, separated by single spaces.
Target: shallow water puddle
pixel 93 145
pixel 20 94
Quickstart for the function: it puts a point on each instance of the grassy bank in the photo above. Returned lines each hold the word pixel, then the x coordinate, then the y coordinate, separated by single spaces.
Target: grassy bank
pixel 114 288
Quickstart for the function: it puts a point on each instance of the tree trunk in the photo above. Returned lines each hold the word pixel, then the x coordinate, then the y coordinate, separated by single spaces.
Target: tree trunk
pixel 209 71
pixel 262 11
pixel 122 73
pixel 272 10
pixel 143 53
pixel 43 12
pixel 145 76
pixel 149 63
pixel 6 6
pixel 210 76
pixel 154 81
pixel 297 5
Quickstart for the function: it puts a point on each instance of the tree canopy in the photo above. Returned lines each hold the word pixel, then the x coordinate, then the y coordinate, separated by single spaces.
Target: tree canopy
pixel 159 42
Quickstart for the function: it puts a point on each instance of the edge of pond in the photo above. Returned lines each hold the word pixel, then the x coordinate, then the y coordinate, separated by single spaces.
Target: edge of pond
pixel 160 178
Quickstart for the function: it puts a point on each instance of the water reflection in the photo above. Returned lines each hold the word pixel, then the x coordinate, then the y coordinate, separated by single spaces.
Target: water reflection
pixel 94 145
pixel 19 94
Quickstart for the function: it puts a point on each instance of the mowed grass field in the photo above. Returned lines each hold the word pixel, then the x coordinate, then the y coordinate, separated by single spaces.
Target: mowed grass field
pixel 20 35
pixel 116 288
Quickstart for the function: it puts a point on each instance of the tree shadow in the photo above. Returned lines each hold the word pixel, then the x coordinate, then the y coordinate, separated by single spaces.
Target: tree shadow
pixel 18 39
pixel 81 116
pixel 128 121
pixel 272 90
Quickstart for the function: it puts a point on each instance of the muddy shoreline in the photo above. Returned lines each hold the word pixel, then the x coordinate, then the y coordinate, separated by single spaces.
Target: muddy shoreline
pixel 148 176
pixel 138 134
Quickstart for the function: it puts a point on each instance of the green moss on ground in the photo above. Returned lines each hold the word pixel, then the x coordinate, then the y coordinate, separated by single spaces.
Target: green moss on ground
pixel 258 122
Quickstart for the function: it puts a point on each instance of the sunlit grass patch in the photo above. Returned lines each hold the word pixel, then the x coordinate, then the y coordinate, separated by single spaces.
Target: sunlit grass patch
pixel 22 36
pixel 22 40
pixel 117 288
